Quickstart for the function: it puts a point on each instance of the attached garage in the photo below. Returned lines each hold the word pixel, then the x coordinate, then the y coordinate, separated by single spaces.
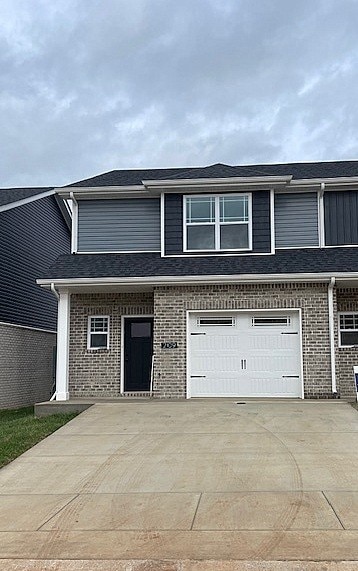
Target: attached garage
pixel 245 354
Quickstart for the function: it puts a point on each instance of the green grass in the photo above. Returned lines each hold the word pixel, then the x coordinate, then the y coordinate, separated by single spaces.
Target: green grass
pixel 19 430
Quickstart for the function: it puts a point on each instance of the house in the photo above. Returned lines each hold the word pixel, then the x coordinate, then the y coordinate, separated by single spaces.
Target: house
pixel 236 281
pixel 34 230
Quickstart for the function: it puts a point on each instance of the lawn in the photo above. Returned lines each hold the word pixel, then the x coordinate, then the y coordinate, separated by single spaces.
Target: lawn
pixel 19 430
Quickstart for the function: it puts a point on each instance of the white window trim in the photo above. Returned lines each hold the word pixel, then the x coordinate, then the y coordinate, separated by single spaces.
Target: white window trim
pixel 349 330
pixel 217 222
pixel 89 348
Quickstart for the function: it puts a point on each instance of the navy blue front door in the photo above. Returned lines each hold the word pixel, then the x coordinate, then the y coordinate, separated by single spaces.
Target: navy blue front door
pixel 138 351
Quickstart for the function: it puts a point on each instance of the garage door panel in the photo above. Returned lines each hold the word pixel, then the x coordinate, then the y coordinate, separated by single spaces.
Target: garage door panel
pixel 247 358
pixel 250 387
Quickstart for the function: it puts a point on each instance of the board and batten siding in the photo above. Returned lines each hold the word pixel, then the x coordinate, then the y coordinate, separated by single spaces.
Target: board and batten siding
pixel 115 225
pixel 173 224
pixel 340 217
pixel 296 220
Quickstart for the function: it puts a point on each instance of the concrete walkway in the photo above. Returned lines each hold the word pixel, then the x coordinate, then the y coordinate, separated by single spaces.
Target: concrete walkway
pixel 194 480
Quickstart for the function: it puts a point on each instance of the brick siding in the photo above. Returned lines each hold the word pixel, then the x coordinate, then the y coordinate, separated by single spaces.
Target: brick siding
pixel 97 372
pixel 172 303
pixel 26 366
pixel 347 357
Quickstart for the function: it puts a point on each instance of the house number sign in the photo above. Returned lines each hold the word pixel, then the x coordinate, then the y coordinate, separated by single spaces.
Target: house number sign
pixel 169 345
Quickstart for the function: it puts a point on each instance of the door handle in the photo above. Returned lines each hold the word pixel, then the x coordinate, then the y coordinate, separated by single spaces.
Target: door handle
pixel 243 364
pixel 290 376
pixel 198 376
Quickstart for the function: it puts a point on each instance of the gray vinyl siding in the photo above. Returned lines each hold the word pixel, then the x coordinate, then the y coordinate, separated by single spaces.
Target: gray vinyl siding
pixel 296 220
pixel 126 225
pixel 173 223
pixel 341 218
pixel 32 236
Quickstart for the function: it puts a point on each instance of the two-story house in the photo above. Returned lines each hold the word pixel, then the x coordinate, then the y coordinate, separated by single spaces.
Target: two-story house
pixel 34 230
pixel 223 281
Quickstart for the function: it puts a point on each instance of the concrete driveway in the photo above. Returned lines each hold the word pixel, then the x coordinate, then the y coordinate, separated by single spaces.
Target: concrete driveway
pixel 201 479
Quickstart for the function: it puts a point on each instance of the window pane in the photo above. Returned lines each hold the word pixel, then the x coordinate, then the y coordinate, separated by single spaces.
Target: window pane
pixel 234 209
pixel 141 330
pixel 201 237
pixel 229 321
pixel 200 209
pixel 99 324
pixel 268 321
pixel 99 340
pixel 349 337
pixel 234 236
pixel 349 321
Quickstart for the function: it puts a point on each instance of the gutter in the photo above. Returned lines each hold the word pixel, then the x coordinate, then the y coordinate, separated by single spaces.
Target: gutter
pixel 331 334
pixel 196 280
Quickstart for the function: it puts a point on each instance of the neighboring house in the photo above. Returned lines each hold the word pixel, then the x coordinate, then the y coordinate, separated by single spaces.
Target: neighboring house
pixel 34 231
pixel 218 281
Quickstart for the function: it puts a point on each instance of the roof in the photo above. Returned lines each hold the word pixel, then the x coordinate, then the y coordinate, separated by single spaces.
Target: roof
pixel 9 195
pixel 329 169
pixel 310 260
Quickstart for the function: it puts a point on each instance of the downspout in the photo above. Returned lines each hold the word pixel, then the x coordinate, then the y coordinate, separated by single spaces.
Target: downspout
pixel 74 223
pixel 321 215
pixel 331 334
pixel 56 294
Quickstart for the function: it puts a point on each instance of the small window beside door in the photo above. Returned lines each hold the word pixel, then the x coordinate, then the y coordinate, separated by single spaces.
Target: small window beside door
pixel 98 332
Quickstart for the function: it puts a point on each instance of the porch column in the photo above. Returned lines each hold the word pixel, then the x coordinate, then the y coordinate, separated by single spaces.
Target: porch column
pixel 63 335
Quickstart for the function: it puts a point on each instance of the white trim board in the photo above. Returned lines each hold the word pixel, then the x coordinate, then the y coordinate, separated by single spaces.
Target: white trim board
pixel 27 200
pixel 28 327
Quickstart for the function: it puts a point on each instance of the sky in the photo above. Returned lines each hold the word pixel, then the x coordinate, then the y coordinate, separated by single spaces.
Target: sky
pixel 88 86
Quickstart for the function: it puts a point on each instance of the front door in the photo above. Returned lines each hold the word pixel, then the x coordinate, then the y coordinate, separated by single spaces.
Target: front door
pixel 138 351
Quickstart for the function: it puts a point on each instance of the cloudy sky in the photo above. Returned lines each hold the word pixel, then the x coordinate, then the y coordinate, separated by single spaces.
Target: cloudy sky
pixel 88 86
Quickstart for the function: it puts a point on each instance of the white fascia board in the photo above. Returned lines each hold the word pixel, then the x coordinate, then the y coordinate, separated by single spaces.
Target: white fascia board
pixel 217 182
pixel 208 279
pixel 333 181
pixel 135 191
pixel 27 200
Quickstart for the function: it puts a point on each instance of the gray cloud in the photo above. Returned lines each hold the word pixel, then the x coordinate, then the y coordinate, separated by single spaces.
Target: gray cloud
pixel 92 85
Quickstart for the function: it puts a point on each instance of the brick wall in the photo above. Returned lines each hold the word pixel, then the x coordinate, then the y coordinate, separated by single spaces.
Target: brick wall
pixel 97 373
pixel 26 361
pixel 347 357
pixel 171 304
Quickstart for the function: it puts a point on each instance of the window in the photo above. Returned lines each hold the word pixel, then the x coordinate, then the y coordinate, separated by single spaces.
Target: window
pixel 226 321
pixel 348 329
pixel 218 222
pixel 271 321
pixel 98 332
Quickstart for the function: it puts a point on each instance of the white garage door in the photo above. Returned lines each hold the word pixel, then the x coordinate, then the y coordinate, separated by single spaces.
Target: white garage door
pixel 245 354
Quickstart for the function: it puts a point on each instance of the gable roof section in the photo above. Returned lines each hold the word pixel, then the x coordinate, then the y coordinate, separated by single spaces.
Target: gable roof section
pixel 10 195
pixel 329 169
pixel 310 260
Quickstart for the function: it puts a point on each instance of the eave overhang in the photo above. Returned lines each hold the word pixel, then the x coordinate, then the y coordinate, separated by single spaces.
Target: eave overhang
pixel 87 283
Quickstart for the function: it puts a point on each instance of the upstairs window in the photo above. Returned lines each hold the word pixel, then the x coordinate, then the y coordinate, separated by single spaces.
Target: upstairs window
pixel 348 329
pixel 217 222
pixel 98 332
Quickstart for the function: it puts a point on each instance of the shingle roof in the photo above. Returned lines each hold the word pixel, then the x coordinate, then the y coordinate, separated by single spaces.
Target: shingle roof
pixel 9 195
pixel 151 264
pixel 330 169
